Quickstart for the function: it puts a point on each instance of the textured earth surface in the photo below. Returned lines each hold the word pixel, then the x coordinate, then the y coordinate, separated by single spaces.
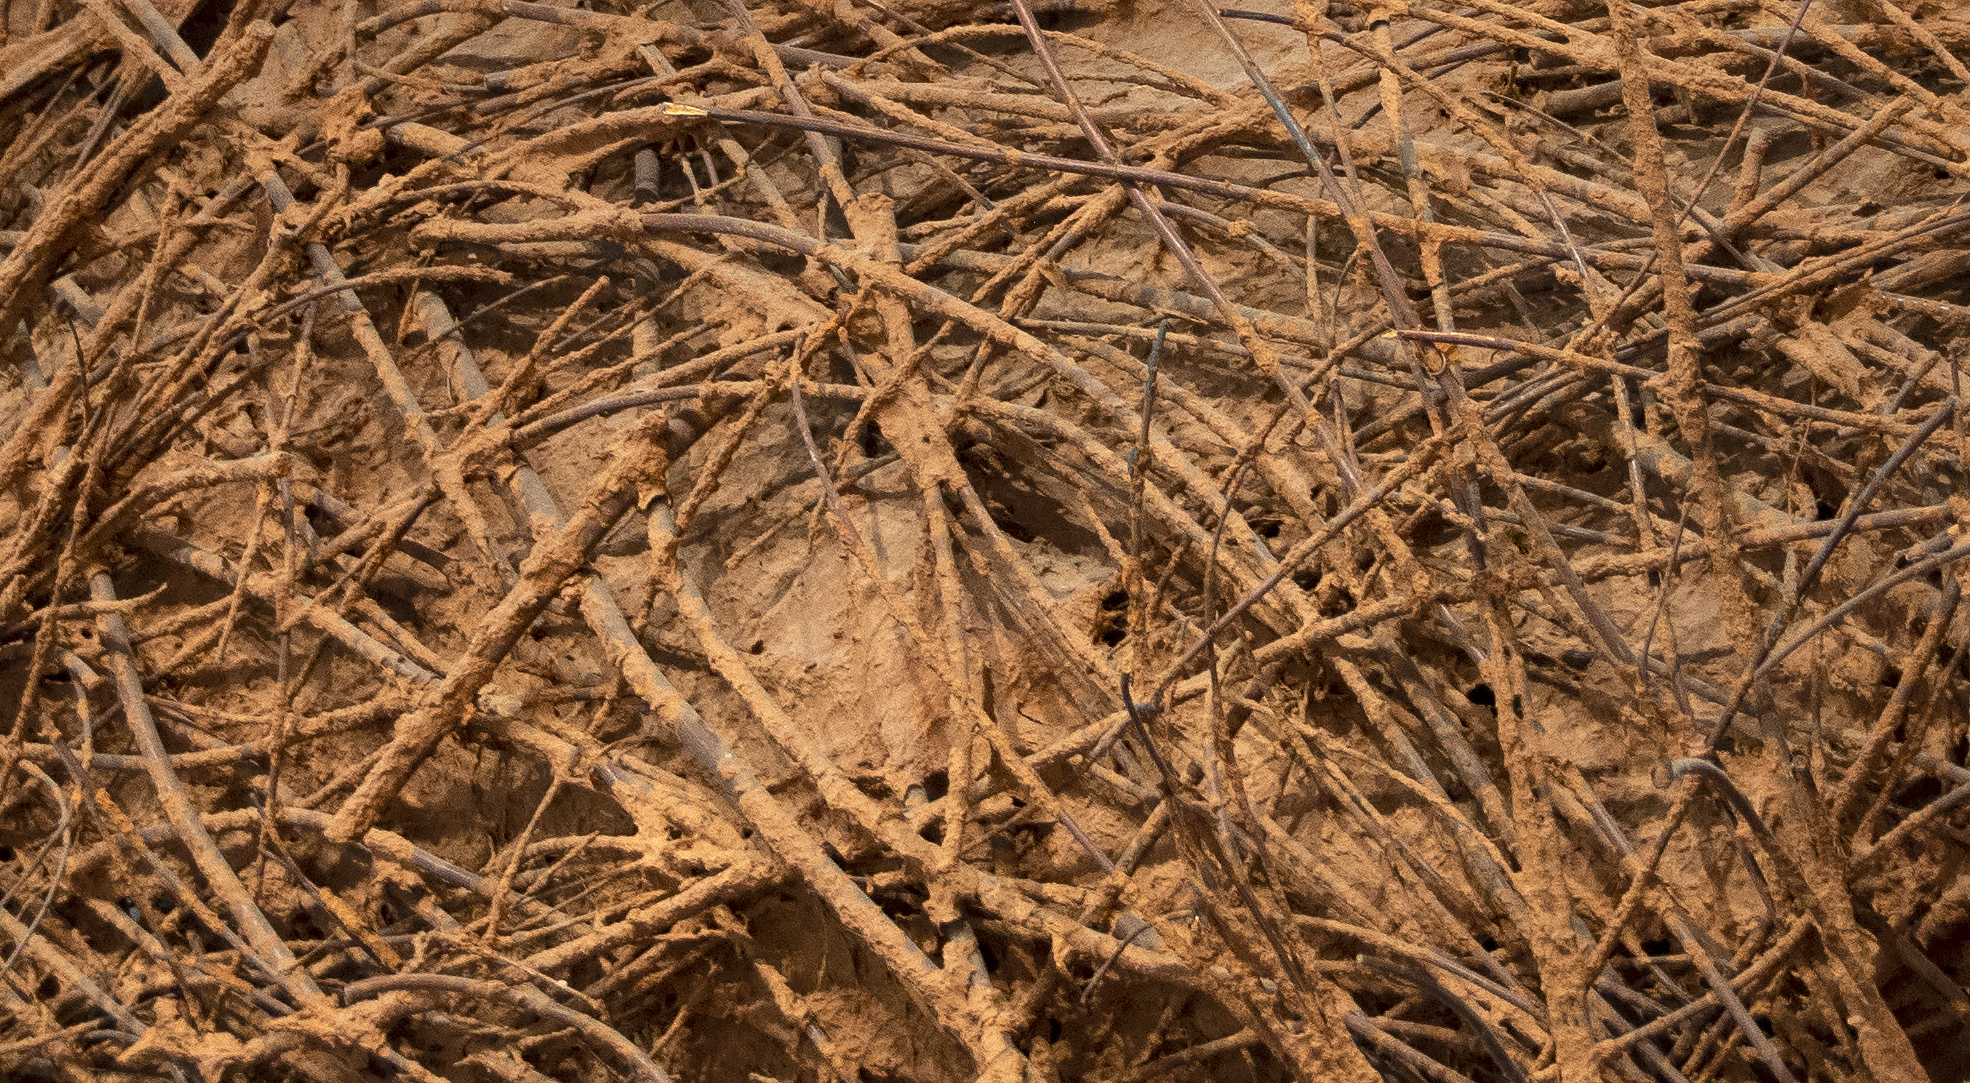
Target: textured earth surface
pixel 895 540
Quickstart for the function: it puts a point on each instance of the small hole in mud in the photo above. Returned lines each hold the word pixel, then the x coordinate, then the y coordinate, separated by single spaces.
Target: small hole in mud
pixel 936 784
pixel 6 853
pixel 1014 529
pixel 304 925
pixel 1658 947
pixel 1114 636
pixel 163 904
pixel 1482 695
pixel 1823 511
pixel 1891 676
pixel 202 25
pixel 875 787
pixel 1764 1024
pixel 991 957
pixel 1116 601
pixel 1266 528
pixel 1920 792
pixel 1307 578
pixel 758 647
pixel 1487 943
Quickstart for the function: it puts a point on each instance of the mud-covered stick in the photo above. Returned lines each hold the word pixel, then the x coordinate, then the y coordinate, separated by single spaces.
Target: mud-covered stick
pixel 266 587
pixel 1139 461
pixel 1261 350
pixel 598 603
pixel 1720 985
pixel 1833 616
pixel 1861 790
pixel 98 182
pixel 1473 1021
pixel 445 470
pixel 998 1056
pixel 1768 655
pixel 826 152
pixel 738 882
pixel 72 977
pixel 1886 1048
pixel 645 29
pixel 553 562
pixel 178 806
pixel 1037 789
pixel 1366 502
pixel 126 836
pixel 525 997
pixel 1413 1060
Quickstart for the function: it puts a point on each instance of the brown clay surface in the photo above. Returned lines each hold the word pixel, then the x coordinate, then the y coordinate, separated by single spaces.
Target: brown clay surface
pixel 716 599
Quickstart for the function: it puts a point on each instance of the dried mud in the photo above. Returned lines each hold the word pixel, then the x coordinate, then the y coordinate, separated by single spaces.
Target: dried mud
pixel 904 541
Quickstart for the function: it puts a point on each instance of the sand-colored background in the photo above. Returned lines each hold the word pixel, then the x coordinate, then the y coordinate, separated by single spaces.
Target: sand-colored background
pixel 669 618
